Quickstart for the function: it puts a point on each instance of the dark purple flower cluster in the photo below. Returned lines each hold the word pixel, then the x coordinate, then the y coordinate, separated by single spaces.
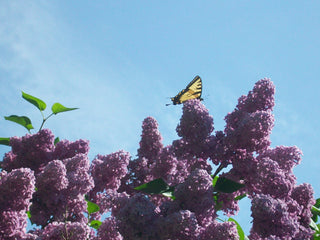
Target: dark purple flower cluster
pixel 16 189
pixel 55 194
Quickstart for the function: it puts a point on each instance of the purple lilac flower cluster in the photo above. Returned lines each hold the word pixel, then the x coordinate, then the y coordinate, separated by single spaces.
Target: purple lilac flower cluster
pixel 51 181
pixel 54 194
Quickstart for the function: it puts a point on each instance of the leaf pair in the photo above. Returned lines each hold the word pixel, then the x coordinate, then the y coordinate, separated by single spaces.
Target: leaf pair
pixel 26 122
pixel 41 105
pixel 92 208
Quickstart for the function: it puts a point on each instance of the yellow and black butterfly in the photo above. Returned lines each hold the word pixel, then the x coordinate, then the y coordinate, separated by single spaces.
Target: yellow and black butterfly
pixel 192 91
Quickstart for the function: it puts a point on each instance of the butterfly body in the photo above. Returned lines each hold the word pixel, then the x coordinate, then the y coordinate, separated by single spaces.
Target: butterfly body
pixel 192 91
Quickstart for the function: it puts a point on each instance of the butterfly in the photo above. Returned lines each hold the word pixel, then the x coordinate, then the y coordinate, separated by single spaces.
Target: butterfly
pixel 192 91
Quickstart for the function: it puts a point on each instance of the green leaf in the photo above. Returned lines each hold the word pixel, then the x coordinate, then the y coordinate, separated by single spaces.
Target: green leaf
pixel 316 212
pixel 240 197
pixel 29 214
pixel 5 141
pixel 157 186
pixel 41 105
pixel 240 231
pixel 218 204
pixel 92 207
pixel 227 186
pixel 22 120
pixel 58 108
pixel 56 140
pixel 313 226
pixel 316 236
pixel 95 224
pixel 169 193
pixel 214 181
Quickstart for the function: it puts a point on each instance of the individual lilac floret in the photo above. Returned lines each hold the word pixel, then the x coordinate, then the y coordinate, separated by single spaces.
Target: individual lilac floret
pixel 66 230
pixel 271 217
pixel 108 230
pixel 261 98
pixel 16 189
pixel 107 171
pixel 180 225
pixel 195 124
pixel 150 143
pixel 220 231
pixel 30 151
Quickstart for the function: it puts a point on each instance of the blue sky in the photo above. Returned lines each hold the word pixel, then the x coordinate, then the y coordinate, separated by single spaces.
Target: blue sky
pixel 120 61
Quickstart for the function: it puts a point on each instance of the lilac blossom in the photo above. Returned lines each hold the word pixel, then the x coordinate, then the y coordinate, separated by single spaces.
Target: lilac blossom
pixel 30 151
pixel 194 129
pixel 303 195
pixel 196 192
pixel 195 124
pixel 286 157
pixel 249 130
pixel 165 166
pixel 261 98
pixel 150 143
pixel 271 217
pixel 137 218
pixel 67 149
pixel 139 170
pixel 12 224
pixel 217 149
pixel 16 188
pixel 108 230
pixel 107 171
pixel 182 225
pixel 66 230
pixel 66 201
pixel 220 231
pixel 272 180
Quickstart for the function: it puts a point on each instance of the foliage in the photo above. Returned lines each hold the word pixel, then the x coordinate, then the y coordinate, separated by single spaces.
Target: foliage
pixel 166 192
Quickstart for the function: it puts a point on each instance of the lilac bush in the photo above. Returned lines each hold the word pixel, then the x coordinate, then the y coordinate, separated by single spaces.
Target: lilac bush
pixel 56 182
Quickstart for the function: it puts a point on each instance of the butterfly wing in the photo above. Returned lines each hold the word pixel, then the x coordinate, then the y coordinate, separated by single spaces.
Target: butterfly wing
pixel 192 91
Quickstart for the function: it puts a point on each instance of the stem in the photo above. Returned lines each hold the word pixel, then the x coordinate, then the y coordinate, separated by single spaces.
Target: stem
pixel 221 166
pixel 44 119
pixel 42 124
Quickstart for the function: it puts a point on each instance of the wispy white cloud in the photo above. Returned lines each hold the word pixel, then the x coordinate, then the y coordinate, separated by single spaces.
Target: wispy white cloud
pixel 36 59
